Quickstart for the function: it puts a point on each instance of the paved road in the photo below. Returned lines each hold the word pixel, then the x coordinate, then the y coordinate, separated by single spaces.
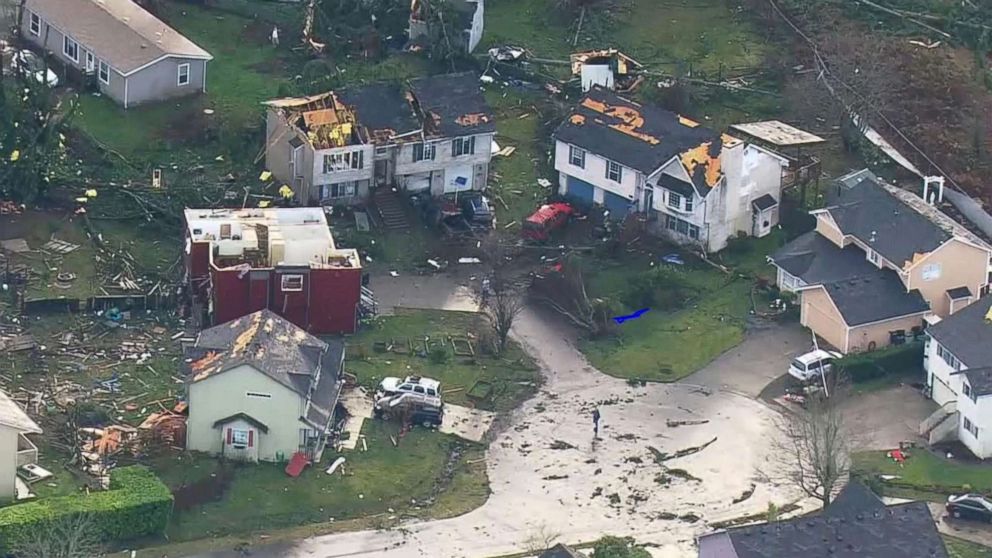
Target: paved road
pixel 610 485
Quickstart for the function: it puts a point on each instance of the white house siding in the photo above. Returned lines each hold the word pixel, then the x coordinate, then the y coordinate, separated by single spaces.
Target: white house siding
pixel 595 172
pixel 979 412
pixel 362 177
pixel 161 81
pixel 224 395
pixel 787 282
pixel 443 168
pixel 8 463
pixel 761 173
pixel 946 386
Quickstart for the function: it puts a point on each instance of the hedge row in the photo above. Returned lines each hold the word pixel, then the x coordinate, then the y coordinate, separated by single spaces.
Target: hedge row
pixel 895 360
pixel 138 504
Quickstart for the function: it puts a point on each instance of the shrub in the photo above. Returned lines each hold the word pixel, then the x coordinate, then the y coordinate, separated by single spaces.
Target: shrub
pixel 896 360
pixel 439 355
pixel 138 504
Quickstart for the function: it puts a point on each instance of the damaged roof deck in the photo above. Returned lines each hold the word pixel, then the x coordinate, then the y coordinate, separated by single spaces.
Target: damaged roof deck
pixel 265 238
pixel 385 113
pixel 645 138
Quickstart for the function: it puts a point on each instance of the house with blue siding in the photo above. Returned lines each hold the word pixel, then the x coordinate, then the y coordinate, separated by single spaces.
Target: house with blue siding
pixel 696 186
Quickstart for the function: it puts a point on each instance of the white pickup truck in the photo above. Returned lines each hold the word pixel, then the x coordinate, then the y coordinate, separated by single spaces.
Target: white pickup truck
pixel 419 398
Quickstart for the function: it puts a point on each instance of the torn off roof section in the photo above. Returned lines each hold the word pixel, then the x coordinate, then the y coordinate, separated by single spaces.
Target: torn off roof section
pixel 645 137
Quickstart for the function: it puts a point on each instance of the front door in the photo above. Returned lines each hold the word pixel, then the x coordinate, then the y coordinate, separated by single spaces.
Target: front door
pixel 649 203
pixel 90 63
pixel 382 172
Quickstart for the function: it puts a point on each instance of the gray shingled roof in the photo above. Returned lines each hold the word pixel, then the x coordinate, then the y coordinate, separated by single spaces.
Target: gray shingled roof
pixel 892 228
pixel 967 334
pixel 560 551
pixel 383 109
pixel 900 531
pixel 875 297
pixel 119 32
pixel 12 416
pixel 816 260
pixel 764 202
pixel 453 105
pixel 597 132
pixel 958 293
pixel 853 499
pixel 980 380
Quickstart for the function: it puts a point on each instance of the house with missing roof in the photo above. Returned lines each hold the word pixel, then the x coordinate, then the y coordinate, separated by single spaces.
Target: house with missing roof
pixel 879 261
pixel 469 21
pixel 432 135
pixel 261 389
pixel 958 363
pixel 696 186
pixel 134 57
pixel 16 450
pixel 857 524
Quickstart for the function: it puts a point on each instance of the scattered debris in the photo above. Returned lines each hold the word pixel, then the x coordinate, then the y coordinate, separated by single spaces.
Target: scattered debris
pixel 56 246
pixel 677 423
pixel 16 245
pixel 507 53
pixel 614 499
pixel 660 457
pixel 334 466
pixel 554 477
pixel 683 474
pixel 560 445
pixel 745 495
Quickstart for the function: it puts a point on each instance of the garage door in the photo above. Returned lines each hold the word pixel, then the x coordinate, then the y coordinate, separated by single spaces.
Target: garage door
pixel 619 206
pixel 580 190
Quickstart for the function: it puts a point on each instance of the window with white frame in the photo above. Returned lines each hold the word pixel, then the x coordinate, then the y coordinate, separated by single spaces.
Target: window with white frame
pixel 104 72
pixel 463 146
pixel 970 427
pixel 688 203
pixel 183 78
pixel 931 272
pixel 577 156
pixel 682 227
pixel 239 438
pixel 35 24
pixel 614 171
pixel 352 160
pixel 789 281
pixel 947 357
pixel 292 282
pixel 70 49
pixel 873 256
pixel 424 152
pixel 969 391
pixel 674 200
pixel 258 395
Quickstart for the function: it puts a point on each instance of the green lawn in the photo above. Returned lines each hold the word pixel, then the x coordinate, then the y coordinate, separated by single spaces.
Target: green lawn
pixel 959 548
pixel 925 475
pixel 706 36
pixel 37 228
pixel 262 498
pixel 513 376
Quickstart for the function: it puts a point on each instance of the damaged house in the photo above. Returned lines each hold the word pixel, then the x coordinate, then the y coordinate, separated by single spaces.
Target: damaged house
pixel 880 260
pixel 467 19
pixel 16 450
pixel 239 261
pixel 694 185
pixel 261 389
pixel 433 134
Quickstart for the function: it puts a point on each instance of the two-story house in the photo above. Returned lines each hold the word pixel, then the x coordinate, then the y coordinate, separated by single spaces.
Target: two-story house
pixel 958 364
pixel 879 261
pixel 432 134
pixel 695 185
pixel 261 389
pixel 133 56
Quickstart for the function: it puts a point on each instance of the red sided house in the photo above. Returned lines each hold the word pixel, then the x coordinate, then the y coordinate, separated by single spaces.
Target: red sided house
pixel 240 261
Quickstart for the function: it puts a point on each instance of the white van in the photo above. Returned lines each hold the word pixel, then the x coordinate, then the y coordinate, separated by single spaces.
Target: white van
pixel 813 364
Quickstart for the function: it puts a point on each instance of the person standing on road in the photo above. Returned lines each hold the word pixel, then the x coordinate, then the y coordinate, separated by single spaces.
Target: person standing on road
pixel 595 423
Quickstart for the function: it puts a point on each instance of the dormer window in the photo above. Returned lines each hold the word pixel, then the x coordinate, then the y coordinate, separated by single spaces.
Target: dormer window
pixel 873 256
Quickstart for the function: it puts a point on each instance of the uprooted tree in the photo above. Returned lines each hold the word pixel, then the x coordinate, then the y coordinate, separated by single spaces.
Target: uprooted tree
pixel 815 446
pixel 563 288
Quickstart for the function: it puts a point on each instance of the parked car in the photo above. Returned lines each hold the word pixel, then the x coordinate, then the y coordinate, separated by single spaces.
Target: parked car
pixel 28 63
pixel 547 218
pixel 411 384
pixel 969 506
pixel 413 398
pixel 812 365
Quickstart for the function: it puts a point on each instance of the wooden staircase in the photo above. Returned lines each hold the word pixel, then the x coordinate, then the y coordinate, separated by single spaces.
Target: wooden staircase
pixel 390 208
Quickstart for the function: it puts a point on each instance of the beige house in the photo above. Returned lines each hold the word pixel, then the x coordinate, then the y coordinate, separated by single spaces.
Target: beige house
pixel 879 261
pixel 15 448
pixel 261 389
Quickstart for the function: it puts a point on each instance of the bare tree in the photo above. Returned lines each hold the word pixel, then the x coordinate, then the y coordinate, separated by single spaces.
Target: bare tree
pixel 815 446
pixel 502 306
pixel 70 536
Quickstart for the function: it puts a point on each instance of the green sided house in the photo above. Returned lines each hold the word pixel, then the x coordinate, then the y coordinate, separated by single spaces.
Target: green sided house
pixel 261 389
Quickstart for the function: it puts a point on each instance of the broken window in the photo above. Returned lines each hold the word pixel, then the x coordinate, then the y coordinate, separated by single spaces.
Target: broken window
pixel 463 146
pixel 577 156
pixel 35 25
pixel 424 152
pixel 225 231
pixel 614 171
pixel 292 282
pixel 334 162
pixel 333 191
pixel 183 78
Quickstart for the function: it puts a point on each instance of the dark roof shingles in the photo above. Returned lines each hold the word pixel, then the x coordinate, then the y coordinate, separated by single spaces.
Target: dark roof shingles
pixel 886 224
pixel 815 260
pixel 875 297
pixel 383 109
pixel 454 105
pixel 590 129
pixel 958 293
pixel 980 380
pixel 766 201
pixel 967 334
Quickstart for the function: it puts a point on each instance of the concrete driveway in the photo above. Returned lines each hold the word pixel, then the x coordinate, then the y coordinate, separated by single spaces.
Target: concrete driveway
pixel 974 531
pixel 886 417
pixel 551 480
